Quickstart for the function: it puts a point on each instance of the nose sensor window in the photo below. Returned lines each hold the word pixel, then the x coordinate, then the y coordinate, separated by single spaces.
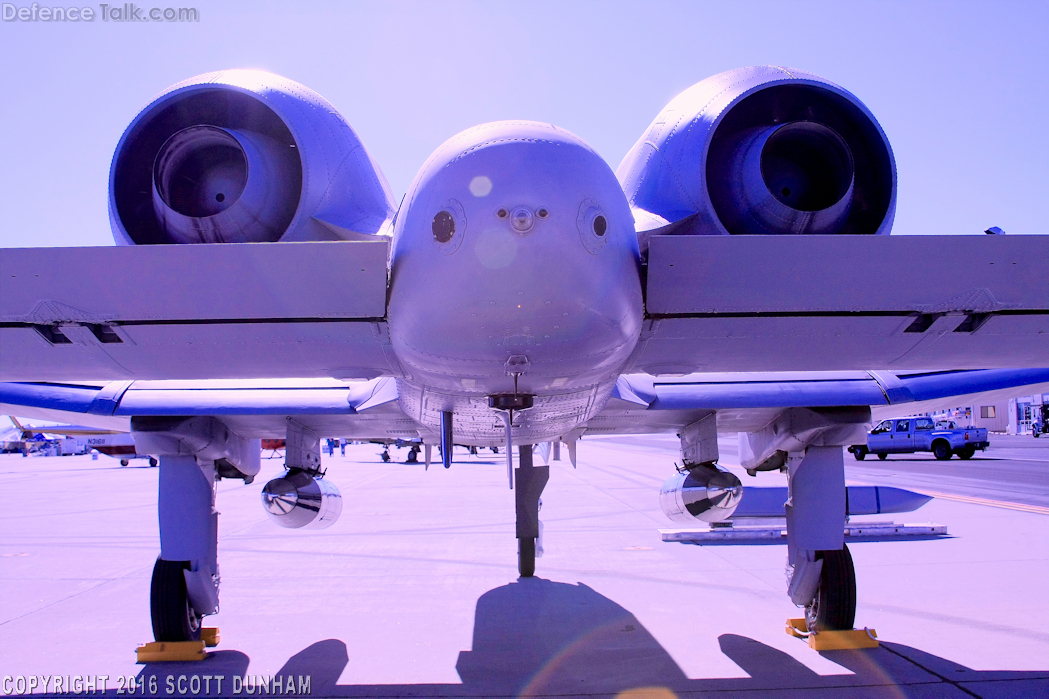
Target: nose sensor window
pixel 443 227
pixel 600 225
pixel 521 219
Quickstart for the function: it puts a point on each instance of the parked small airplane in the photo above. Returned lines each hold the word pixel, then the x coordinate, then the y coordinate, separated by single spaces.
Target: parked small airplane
pixel 20 438
pixel 731 276
pixel 115 443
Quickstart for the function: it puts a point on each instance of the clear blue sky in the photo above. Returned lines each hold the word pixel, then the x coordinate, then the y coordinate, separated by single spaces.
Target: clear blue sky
pixel 961 88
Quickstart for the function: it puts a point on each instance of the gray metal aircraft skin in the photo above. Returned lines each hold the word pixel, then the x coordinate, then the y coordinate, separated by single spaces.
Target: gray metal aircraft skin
pixel 732 275
pixel 525 283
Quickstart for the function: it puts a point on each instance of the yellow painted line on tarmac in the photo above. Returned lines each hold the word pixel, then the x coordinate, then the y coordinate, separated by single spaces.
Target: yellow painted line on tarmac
pixel 990 503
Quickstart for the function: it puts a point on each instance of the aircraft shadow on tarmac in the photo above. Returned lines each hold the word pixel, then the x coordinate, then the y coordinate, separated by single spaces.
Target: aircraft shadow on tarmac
pixel 536 638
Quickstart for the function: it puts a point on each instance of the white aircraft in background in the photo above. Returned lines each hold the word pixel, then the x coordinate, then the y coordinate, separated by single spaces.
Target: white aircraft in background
pixel 18 437
pixel 116 443
pixel 731 276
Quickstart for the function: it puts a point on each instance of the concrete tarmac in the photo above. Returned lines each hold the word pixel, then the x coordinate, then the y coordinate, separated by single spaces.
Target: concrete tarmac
pixel 414 592
pixel 1014 469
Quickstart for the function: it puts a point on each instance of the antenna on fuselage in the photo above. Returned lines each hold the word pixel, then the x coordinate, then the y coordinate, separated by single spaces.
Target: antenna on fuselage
pixel 507 403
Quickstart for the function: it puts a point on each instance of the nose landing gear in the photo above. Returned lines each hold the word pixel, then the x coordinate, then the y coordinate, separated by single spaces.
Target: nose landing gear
pixel 530 481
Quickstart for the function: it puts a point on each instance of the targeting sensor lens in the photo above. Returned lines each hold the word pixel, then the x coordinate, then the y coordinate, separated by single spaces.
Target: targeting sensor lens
pixel 443 227
pixel 600 225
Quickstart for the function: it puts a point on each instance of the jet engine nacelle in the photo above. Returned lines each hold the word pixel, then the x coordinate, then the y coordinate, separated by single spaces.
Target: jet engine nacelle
pixel 704 493
pixel 243 156
pixel 762 150
pixel 298 500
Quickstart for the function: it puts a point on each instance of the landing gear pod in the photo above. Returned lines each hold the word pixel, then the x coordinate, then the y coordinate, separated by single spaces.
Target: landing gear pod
pixel 705 493
pixel 298 500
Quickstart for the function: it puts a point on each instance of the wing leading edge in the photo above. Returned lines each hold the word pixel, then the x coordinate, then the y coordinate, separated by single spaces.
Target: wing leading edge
pixel 253 409
pixel 639 403
pixel 750 401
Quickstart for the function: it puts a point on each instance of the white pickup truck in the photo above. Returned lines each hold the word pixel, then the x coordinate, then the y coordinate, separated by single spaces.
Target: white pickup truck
pixel 910 434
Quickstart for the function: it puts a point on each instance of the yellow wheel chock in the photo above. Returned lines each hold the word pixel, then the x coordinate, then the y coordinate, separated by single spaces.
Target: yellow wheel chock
pixel 178 651
pixel 833 640
pixel 210 636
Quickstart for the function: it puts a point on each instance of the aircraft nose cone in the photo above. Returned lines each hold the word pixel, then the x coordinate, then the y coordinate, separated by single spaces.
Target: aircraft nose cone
pixel 522 220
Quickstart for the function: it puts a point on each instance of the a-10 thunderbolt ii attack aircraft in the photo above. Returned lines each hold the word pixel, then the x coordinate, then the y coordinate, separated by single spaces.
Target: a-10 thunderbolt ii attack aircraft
pixel 732 275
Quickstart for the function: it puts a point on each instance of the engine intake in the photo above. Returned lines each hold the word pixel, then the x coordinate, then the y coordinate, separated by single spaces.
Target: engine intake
pixel 299 500
pixel 243 156
pixel 704 493
pixel 763 150
pixel 213 185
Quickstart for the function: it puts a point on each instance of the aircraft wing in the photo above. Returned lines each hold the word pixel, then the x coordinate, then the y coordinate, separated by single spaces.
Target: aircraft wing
pixel 314 309
pixel 254 409
pixel 825 302
pixel 748 402
pixel 640 403
pixel 713 304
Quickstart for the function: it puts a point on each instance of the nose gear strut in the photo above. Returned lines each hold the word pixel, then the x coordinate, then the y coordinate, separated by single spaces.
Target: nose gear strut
pixel 530 479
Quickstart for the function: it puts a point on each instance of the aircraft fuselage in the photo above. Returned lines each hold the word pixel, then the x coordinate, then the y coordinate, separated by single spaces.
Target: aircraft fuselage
pixel 515 253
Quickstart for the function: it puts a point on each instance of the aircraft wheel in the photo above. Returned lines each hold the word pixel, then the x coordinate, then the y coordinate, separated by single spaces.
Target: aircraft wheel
pixel 173 617
pixel 834 607
pixel 860 453
pixel 152 461
pixel 123 462
pixel 526 557
pixel 883 456
pixel 941 450
pixel 386 457
pixel 966 452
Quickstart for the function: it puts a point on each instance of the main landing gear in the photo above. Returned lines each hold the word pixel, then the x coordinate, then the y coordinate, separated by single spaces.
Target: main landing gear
pixel 185 577
pixel 823 578
pixel 174 618
pixel 834 606
pixel 529 481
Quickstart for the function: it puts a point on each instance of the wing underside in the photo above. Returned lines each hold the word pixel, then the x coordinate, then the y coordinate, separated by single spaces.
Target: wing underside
pixel 746 402
pixel 639 404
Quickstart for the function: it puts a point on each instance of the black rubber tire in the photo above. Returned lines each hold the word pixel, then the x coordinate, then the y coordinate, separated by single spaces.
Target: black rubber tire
pixel 966 452
pixel 860 453
pixel 123 462
pixel 385 457
pixel 169 608
pixel 152 462
pixel 834 608
pixel 526 557
pixel 941 450
pixel 883 456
